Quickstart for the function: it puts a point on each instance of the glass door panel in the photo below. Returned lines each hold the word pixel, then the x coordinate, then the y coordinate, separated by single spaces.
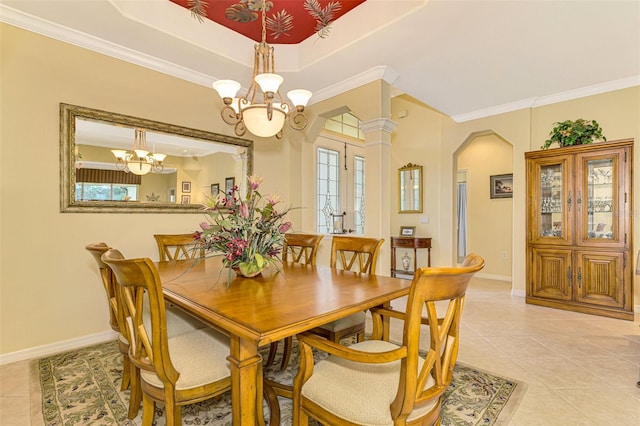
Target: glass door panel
pixel 600 198
pixel 551 206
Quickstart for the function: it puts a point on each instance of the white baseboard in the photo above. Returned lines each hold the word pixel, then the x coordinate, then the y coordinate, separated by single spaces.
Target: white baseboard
pixel 518 293
pixel 53 348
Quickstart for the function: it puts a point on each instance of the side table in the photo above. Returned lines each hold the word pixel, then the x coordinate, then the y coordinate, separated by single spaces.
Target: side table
pixel 414 243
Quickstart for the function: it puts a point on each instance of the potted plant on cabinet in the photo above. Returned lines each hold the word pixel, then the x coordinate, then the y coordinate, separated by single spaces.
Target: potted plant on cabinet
pixel 578 132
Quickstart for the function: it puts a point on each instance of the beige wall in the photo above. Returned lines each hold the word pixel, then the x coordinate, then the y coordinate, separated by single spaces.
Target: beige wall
pixel 49 284
pixel 489 221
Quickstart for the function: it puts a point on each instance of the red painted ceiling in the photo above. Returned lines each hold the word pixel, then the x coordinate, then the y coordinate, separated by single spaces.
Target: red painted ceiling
pixel 288 21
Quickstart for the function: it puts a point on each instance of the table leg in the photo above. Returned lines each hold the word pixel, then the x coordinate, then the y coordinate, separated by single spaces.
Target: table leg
pixel 246 382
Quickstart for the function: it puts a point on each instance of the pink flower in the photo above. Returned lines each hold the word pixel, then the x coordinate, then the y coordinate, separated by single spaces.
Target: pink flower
pixel 255 182
pixel 205 225
pixel 274 199
pixel 244 210
pixel 285 227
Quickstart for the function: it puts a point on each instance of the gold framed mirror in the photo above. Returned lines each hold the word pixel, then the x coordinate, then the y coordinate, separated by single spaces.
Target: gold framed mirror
pixel 410 189
pixel 178 169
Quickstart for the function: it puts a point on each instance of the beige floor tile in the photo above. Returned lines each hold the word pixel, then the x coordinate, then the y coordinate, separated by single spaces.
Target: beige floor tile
pixel 14 410
pixel 605 406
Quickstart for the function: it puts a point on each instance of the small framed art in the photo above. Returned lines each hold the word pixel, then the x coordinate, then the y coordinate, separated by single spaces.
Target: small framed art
pixel 186 199
pixel 501 186
pixel 186 187
pixel 229 183
pixel 215 188
pixel 407 231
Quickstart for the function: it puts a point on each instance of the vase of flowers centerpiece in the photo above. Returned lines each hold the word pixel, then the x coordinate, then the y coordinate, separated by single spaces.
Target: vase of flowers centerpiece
pixel 248 231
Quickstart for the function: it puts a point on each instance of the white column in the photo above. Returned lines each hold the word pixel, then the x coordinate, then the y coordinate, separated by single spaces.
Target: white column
pixel 377 134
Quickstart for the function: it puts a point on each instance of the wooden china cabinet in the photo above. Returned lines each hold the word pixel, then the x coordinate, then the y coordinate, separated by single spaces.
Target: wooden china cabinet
pixel 579 228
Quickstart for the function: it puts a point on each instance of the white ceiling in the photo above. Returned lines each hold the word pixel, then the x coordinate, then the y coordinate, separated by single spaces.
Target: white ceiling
pixel 467 59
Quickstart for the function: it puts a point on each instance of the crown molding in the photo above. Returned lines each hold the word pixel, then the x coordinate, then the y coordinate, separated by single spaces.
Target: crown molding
pixel 380 72
pixel 568 95
pixel 58 32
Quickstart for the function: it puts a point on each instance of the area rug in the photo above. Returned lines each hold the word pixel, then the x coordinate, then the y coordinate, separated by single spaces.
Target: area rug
pixel 82 387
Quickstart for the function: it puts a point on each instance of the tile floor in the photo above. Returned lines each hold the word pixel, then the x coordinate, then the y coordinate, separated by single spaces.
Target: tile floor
pixel 579 369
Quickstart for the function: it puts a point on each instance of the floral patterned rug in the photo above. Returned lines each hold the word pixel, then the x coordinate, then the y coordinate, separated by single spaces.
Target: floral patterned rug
pixel 82 387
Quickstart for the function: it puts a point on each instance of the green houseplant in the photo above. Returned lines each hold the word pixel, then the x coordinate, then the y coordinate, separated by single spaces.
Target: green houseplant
pixel 578 132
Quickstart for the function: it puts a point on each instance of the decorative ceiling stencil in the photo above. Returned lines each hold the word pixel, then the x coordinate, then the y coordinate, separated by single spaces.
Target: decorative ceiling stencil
pixel 288 21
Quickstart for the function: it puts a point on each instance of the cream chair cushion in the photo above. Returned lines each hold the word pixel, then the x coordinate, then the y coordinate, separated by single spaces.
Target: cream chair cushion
pixel 366 391
pixel 200 356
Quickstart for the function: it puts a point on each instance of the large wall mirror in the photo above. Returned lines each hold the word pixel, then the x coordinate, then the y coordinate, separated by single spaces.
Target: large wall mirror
pixel 410 189
pixel 101 171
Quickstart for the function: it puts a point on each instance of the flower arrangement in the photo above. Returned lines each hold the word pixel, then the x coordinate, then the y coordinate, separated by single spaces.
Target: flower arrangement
pixel 578 132
pixel 248 231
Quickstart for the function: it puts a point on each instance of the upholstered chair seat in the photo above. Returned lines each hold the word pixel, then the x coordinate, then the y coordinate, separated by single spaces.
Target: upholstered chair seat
pixel 366 390
pixel 200 356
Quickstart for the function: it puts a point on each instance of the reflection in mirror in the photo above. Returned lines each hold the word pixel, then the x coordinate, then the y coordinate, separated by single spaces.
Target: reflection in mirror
pixel 410 189
pixel 117 163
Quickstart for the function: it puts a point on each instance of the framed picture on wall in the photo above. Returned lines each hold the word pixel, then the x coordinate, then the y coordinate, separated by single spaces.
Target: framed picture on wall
pixel 186 199
pixel 501 186
pixel 186 187
pixel 407 231
pixel 215 188
pixel 229 183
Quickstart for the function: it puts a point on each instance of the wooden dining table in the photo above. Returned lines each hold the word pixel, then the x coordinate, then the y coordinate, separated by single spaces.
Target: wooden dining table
pixel 255 312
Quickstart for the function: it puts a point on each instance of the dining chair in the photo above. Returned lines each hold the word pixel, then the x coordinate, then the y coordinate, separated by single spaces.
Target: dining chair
pixel 350 253
pixel 387 383
pixel 178 323
pixel 115 320
pixel 174 371
pixel 178 246
pixel 297 248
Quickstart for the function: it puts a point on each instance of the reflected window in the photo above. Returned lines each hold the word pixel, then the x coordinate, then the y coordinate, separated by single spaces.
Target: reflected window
pixel 86 191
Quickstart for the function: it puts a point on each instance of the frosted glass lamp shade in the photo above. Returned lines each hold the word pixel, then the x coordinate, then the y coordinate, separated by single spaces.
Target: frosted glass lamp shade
pixel 158 157
pixel 269 82
pixel 257 122
pixel 120 154
pixel 226 88
pixel 299 97
pixel 141 153
pixel 139 167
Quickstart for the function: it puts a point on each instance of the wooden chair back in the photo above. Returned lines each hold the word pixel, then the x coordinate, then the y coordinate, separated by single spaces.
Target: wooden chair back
pixel 441 293
pixel 345 250
pixel 301 248
pixel 97 250
pixel 178 246
pixel 148 349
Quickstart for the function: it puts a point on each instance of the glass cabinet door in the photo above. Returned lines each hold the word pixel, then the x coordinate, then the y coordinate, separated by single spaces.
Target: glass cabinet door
pixel 601 198
pixel 552 201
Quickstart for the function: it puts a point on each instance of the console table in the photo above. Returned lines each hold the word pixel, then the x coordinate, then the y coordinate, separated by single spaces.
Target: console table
pixel 414 243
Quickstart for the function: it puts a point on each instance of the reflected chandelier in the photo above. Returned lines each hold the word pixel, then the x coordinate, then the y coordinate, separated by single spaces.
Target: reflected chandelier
pixel 264 119
pixel 139 161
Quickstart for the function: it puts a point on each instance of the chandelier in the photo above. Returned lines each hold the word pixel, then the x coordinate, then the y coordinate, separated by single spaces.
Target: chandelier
pixel 139 161
pixel 267 118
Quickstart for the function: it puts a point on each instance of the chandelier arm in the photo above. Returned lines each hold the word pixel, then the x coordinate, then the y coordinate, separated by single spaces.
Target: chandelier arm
pixel 229 116
pixel 298 120
pixel 240 129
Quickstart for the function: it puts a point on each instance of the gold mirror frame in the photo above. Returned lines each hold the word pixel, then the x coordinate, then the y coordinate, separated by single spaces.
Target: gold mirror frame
pixel 68 202
pixel 410 195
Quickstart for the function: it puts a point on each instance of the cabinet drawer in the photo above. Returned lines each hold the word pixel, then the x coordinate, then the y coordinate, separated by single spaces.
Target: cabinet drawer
pixel 403 242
